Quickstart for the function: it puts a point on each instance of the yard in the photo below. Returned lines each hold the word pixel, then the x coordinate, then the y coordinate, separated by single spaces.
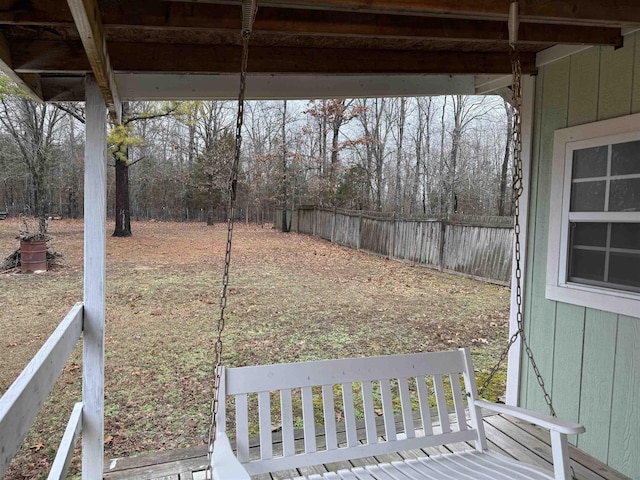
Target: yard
pixel 292 298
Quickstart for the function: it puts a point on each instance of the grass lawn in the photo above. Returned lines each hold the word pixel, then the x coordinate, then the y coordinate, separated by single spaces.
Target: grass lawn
pixel 292 298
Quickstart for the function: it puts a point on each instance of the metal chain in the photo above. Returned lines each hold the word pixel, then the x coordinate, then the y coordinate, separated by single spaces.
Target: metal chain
pixel 517 190
pixel 233 184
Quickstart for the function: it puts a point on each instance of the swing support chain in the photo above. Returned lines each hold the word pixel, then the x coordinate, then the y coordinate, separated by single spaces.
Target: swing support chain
pixel 249 10
pixel 517 191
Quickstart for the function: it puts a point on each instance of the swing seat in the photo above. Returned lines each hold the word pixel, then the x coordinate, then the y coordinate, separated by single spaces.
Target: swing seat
pixel 392 396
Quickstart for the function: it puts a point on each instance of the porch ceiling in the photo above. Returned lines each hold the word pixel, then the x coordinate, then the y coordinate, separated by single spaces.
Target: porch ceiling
pixel 48 45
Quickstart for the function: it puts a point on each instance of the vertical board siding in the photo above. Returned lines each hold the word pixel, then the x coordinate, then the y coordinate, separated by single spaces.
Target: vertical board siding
pixel 542 318
pixel 599 349
pixel 616 75
pixel 624 440
pixel 567 362
pixel 591 359
pixel 635 89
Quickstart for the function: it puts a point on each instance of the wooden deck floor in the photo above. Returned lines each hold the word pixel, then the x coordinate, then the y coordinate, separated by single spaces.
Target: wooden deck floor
pixel 505 434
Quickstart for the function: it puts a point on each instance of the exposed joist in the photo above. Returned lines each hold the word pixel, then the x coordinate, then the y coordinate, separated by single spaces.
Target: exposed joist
pixel 29 83
pixel 153 14
pixel 140 86
pixel 291 87
pixel 86 16
pixel 60 57
pixel 570 12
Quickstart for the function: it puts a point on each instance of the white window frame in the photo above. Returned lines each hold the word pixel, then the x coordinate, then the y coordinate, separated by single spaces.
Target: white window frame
pixel 606 132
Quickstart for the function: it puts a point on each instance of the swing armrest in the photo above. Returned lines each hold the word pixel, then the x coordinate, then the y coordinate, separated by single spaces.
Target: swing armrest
pixel 225 465
pixel 546 421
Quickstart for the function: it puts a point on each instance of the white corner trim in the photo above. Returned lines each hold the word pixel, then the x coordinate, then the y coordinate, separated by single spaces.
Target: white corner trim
pixel 558 52
pixel 491 83
pixel 514 366
pixel 629 31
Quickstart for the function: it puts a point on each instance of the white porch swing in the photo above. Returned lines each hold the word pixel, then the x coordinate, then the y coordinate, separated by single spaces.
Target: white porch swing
pixel 390 429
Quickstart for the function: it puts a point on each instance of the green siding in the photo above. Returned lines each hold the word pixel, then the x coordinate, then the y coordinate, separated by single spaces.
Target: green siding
pixel 555 88
pixel 600 334
pixel 616 78
pixel 583 87
pixel 624 441
pixel 567 361
pixel 635 102
pixel 589 359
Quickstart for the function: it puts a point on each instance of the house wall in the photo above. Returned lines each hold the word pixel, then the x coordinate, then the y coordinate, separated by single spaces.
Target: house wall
pixel 590 359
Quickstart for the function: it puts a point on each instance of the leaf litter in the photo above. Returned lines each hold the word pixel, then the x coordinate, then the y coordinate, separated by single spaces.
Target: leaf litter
pixel 292 298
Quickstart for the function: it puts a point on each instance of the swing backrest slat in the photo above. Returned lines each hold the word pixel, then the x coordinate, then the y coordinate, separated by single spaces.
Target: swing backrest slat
pixel 311 413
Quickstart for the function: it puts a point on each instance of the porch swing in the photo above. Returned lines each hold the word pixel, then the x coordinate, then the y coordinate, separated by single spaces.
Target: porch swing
pixel 391 428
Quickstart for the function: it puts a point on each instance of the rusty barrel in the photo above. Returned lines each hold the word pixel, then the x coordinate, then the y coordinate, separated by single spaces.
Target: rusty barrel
pixel 33 256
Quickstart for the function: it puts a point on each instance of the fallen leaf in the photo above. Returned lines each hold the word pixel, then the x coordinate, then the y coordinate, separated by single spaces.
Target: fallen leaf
pixel 37 447
pixel 108 439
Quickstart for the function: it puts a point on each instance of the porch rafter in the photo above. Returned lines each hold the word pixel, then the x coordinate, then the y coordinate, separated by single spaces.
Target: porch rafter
pixel 64 57
pixel 207 16
pixel 569 12
pixel 29 83
pixel 86 16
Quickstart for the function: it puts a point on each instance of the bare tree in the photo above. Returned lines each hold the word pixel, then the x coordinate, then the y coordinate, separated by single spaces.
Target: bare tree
pixel 508 146
pixel 33 127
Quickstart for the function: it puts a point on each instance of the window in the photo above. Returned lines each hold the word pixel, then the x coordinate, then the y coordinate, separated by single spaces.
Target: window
pixel 594 230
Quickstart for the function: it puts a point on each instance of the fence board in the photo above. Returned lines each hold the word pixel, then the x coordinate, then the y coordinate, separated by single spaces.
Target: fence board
pixel 480 247
pixel 374 235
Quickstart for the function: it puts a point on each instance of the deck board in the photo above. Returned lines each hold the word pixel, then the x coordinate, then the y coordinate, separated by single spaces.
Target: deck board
pixel 505 435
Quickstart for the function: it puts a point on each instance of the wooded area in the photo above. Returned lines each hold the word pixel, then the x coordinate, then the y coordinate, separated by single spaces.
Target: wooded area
pixel 479 247
pixel 171 160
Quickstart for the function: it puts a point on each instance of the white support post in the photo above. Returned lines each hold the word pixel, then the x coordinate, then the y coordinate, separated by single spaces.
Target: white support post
pixel 527 118
pixel 95 242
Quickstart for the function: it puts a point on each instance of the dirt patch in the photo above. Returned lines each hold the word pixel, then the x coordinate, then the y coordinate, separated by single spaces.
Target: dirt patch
pixel 292 297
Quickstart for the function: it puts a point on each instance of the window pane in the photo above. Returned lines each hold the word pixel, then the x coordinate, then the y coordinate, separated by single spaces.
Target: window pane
pixel 625 235
pixel 589 234
pixel 625 158
pixel 625 195
pixel 590 162
pixel 588 196
pixel 624 269
pixel 587 264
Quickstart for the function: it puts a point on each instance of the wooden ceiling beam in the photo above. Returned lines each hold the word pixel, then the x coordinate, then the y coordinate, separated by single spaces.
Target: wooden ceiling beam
pixel 570 12
pixel 58 57
pixel 173 15
pixel 86 16
pixel 28 82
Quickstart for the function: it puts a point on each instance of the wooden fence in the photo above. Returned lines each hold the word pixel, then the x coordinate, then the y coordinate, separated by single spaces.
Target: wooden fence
pixel 479 247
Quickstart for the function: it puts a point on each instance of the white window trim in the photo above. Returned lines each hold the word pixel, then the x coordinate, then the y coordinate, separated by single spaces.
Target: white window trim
pixel 614 130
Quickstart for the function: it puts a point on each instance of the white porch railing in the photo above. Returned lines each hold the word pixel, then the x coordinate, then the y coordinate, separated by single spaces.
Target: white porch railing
pixel 21 403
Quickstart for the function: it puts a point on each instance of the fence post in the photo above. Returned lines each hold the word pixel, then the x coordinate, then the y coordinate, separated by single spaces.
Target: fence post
pixel 315 219
pixel 333 226
pixel 443 230
pixel 359 239
pixel 391 238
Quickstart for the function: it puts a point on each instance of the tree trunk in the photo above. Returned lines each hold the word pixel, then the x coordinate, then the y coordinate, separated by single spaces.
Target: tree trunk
pixel 122 212
pixel 398 189
pixel 505 160
pixel 123 209
pixel 284 168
